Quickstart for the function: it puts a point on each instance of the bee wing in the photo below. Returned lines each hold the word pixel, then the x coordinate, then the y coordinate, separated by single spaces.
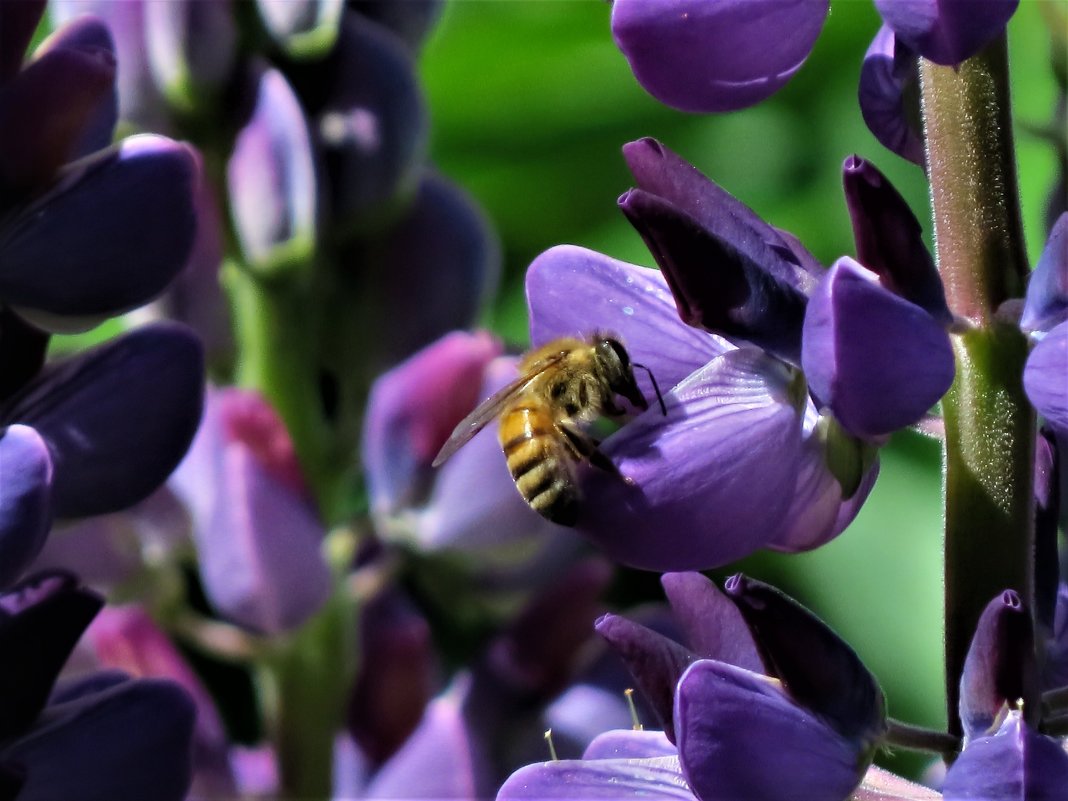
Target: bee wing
pixel 491 407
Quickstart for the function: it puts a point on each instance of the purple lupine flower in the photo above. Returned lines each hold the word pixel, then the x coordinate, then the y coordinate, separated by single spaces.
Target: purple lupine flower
pixel 793 478
pixel 716 55
pixel 820 711
pixel 125 638
pixel 947 31
pixel 1046 301
pixel 257 532
pixel 77 437
pixel 1045 315
pixel 99 236
pixel 303 28
pixel 126 739
pixel 888 95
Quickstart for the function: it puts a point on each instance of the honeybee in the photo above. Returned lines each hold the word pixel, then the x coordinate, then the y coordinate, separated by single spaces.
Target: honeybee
pixel 562 386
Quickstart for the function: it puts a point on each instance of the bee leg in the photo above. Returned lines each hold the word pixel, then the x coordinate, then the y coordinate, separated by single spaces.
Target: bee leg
pixel 585 447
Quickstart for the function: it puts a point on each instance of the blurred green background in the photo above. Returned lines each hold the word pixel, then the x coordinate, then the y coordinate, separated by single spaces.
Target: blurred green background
pixel 530 102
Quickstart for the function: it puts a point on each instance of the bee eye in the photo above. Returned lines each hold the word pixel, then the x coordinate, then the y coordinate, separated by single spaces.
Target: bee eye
pixel 558 390
pixel 620 352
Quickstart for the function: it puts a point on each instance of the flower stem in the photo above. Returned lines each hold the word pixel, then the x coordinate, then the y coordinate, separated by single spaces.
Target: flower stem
pixel 988 454
pixel 918 738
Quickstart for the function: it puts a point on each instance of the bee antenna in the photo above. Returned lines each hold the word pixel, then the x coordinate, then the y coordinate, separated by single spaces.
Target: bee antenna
pixel 659 397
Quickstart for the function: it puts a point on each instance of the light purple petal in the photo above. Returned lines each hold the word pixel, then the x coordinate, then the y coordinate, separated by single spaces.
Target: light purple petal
pixel 271 179
pixel 739 737
pixel 713 626
pixel 305 28
pixel 258 539
pixel 402 432
pixel 705 56
pixel 630 744
pixel 947 31
pixel 711 480
pixel 586 713
pixel 606 779
pixel 1046 378
pixel 881 785
pixel 1016 762
pixel 888 96
pixel 192 48
pixel 25 495
pixel 572 291
pixel 876 360
pixel 1046 304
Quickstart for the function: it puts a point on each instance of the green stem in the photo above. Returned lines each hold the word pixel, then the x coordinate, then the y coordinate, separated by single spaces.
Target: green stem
pixel 917 738
pixel 989 462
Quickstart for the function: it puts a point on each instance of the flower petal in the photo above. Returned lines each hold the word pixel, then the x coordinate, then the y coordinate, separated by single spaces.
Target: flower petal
pixel 109 241
pixel 881 785
pixel 25 495
pixel 412 21
pixel 722 56
pixel 713 626
pixel 947 31
pixel 630 744
pixel 304 28
pixel 128 742
pixel 1046 304
pixel 572 291
pixel 607 779
pixel 1046 378
pixel 192 49
pixel 816 667
pixel 1000 669
pixel 728 720
pixel 1016 762
pixel 90 410
pixel 876 360
pixel 711 480
pixel 889 95
pixel 889 239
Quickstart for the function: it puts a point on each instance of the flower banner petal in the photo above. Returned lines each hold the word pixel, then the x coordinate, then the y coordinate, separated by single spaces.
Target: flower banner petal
pixel 603 779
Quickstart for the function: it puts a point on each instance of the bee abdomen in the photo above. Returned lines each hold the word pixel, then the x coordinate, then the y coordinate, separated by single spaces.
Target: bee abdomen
pixel 538 468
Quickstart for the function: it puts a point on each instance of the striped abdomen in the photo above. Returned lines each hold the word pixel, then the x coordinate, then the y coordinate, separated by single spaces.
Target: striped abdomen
pixel 540 462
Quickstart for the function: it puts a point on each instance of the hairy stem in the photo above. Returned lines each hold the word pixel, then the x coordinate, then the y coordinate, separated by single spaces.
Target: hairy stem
pixel 989 445
pixel 918 738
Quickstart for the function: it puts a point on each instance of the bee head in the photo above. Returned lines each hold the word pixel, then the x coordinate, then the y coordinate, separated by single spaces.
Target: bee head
pixel 618 370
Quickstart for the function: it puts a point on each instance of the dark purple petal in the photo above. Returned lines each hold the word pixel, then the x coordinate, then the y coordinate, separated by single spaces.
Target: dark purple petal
pixel 604 779
pixel 305 28
pixel 655 662
pixel 41 621
pixel 947 31
pixel 665 174
pixel 713 626
pixel 474 503
pixel 630 744
pixel 876 360
pixel 371 122
pixel 700 56
pixel 118 418
pixel 1047 482
pixel 718 284
pixel 412 21
pixel 1046 378
pixel 1055 665
pixel 192 47
pixel 1016 762
pixel 47 108
pixel 25 495
pixel 23 348
pixel 439 261
pixel 109 241
pixel 1046 304
pixel 739 736
pixel 89 34
pixel 18 21
pixel 818 670
pixel 712 479
pixel 258 539
pixel 271 180
pixel 889 239
pixel 572 291
pixel 402 433
pixel 535 656
pixel 889 96
pixel 125 743
pixel 1000 668
pixel 396 678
